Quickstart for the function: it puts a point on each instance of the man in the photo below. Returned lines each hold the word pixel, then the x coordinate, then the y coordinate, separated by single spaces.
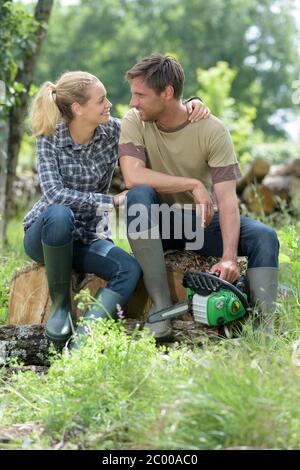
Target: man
pixel 165 158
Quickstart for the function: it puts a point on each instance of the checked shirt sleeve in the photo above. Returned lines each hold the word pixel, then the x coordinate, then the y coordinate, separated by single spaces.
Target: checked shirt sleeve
pixel 53 188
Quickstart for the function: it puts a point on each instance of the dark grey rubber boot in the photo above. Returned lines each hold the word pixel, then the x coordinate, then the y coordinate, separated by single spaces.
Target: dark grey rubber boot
pixel 148 251
pixel 58 266
pixel 106 306
pixel 263 284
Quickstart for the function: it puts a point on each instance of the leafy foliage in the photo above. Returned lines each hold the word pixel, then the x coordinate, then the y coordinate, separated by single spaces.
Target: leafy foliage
pixel 17 29
pixel 108 37
pixel 216 86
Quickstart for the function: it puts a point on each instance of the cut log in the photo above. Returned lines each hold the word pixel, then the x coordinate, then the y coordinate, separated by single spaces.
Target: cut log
pixel 259 199
pixel 289 167
pixel 28 344
pixel 29 301
pixel 285 187
pixel 254 174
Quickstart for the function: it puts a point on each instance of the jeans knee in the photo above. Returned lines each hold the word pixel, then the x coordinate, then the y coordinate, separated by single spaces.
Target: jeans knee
pixel 58 225
pixel 267 239
pixel 142 203
pixel 142 194
pixel 265 248
pixel 58 213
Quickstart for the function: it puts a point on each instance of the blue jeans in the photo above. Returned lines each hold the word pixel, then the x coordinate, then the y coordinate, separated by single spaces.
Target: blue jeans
pixel 54 227
pixel 258 242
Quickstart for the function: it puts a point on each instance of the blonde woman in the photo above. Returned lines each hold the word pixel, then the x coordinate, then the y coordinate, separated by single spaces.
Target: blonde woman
pixel 77 143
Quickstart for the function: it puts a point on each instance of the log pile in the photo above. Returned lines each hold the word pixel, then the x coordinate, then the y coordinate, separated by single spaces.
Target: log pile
pixel 265 188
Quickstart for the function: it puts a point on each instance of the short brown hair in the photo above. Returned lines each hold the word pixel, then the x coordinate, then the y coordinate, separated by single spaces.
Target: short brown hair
pixel 159 71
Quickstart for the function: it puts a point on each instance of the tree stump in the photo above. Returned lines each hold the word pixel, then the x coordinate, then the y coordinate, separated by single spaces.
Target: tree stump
pixel 29 301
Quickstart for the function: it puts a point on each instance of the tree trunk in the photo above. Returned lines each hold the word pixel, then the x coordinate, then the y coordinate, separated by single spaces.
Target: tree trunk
pixel 3 175
pixel 18 112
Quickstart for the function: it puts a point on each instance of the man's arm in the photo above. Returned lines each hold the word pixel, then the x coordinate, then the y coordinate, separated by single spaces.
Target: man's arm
pixel 135 173
pixel 230 227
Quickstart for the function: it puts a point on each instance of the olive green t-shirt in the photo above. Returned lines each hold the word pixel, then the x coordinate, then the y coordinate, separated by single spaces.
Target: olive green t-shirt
pixel 201 150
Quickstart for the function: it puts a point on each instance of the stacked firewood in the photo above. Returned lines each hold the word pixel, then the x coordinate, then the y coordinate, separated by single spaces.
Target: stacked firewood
pixel 263 188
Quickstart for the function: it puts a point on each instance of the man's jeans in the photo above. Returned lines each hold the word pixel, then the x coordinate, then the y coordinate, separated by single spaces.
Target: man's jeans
pixel 54 227
pixel 257 242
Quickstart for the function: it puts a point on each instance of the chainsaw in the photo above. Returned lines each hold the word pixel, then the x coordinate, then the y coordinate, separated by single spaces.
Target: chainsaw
pixel 211 301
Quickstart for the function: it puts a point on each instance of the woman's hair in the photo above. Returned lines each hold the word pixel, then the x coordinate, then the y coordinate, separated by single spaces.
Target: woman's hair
pixel 53 101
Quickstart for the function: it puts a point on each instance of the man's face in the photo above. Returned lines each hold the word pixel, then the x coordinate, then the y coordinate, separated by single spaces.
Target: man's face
pixel 149 105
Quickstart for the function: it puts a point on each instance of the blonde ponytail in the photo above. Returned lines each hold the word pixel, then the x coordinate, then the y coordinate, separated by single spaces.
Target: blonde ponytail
pixel 53 101
pixel 45 114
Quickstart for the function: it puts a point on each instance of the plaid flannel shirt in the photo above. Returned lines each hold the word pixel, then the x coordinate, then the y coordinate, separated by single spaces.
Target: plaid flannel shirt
pixel 78 177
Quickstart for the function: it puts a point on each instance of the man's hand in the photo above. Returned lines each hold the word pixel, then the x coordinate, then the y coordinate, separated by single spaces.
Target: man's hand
pixel 197 110
pixel 228 270
pixel 202 196
pixel 119 199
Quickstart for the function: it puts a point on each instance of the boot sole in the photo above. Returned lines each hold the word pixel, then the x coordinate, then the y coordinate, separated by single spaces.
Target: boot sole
pixel 57 338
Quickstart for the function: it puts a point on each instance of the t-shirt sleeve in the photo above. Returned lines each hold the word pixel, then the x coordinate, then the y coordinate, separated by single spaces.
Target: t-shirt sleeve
pixel 221 157
pixel 131 139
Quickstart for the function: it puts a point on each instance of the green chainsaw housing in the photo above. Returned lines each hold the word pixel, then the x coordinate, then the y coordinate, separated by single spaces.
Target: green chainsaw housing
pixel 212 301
pixel 216 309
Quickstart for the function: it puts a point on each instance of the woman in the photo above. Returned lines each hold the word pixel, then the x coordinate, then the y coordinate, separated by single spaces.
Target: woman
pixel 67 228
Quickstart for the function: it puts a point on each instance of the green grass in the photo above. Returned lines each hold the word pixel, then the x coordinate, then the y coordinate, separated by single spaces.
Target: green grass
pixel 121 392
pixel 12 257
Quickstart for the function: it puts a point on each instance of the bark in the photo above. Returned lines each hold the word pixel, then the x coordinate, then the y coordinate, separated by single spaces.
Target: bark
pixel 26 343
pixel 18 112
pixel 3 175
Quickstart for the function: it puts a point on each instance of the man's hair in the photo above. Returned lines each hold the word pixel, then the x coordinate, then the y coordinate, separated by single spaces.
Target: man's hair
pixel 159 71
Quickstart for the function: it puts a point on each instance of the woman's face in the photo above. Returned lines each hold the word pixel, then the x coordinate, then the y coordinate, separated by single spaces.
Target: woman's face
pixel 96 110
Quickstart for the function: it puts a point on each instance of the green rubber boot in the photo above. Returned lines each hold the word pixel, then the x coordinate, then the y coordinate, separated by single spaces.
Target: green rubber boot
pixel 58 266
pixel 105 307
pixel 148 251
pixel 263 284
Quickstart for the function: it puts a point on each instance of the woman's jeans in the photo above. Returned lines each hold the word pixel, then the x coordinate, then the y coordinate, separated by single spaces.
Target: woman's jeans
pixel 257 241
pixel 55 226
